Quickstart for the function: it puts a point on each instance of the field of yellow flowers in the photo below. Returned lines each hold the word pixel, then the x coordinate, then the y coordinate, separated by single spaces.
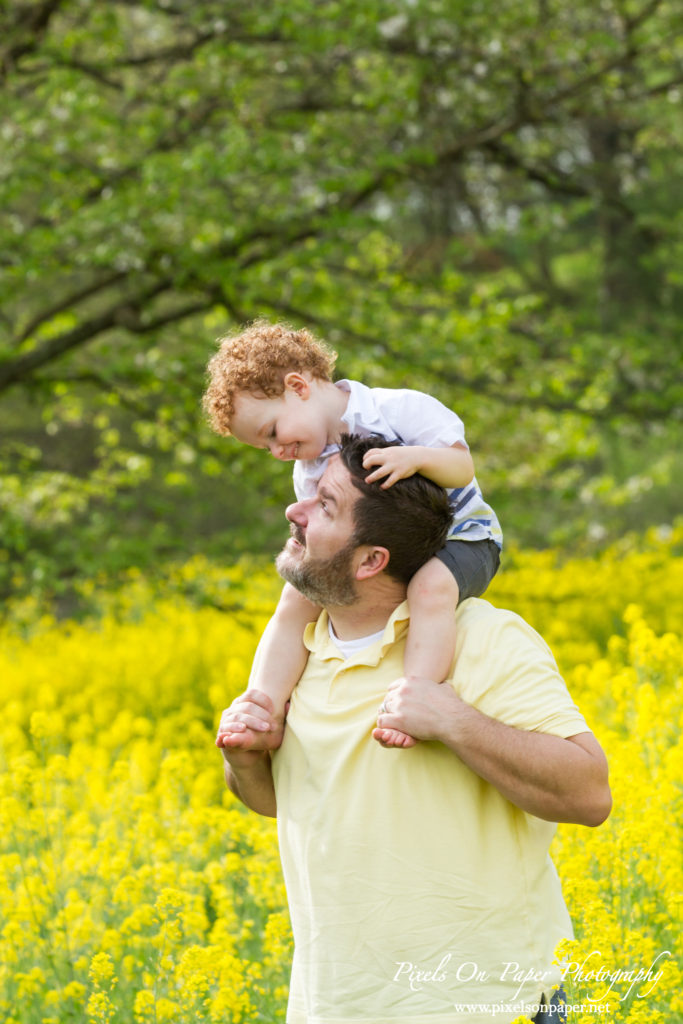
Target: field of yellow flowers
pixel 135 890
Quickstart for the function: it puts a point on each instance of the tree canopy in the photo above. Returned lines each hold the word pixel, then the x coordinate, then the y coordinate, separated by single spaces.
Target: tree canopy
pixel 479 199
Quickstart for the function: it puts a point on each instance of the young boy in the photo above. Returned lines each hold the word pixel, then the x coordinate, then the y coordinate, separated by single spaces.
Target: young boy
pixel 271 387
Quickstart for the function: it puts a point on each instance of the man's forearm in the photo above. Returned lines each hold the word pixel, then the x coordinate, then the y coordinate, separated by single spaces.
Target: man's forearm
pixel 563 780
pixel 553 778
pixel 251 781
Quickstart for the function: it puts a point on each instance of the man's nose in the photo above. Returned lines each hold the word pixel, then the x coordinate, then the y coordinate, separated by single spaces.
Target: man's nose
pixel 296 513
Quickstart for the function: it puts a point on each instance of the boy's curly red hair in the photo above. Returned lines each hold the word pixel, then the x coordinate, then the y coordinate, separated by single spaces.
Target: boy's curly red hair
pixel 257 361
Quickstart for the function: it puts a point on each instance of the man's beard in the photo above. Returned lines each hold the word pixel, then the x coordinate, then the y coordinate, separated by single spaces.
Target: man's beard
pixel 324 581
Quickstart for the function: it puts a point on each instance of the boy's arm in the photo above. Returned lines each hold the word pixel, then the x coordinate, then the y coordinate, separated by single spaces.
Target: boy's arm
pixel 448 467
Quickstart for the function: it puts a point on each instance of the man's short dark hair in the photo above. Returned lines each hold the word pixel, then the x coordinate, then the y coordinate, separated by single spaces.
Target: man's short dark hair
pixel 410 519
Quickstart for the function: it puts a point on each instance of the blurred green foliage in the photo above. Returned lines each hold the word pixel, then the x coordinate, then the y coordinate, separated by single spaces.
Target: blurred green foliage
pixel 477 200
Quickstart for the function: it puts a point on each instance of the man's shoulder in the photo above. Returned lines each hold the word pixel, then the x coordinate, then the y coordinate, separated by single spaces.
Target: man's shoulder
pixel 481 623
pixel 479 610
pixel 506 669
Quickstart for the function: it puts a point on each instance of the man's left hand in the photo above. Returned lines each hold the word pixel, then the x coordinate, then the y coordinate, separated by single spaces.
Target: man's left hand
pixel 418 706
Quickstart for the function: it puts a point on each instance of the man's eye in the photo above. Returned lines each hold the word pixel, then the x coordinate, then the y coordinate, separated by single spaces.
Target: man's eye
pixel 323 505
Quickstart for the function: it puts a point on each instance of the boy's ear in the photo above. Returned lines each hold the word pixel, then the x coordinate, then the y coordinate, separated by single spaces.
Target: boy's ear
pixel 373 561
pixel 297 383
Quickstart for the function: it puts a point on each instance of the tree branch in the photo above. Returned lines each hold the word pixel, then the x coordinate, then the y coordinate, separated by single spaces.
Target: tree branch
pixel 182 51
pixel 14 370
pixel 91 70
pixel 146 327
pixel 643 14
pixel 68 302
pixel 31 23
pixel 482 383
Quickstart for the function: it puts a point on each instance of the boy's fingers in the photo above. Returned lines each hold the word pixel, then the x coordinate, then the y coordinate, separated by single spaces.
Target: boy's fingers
pixel 245 721
pixel 378 473
pixel 235 740
pixel 375 457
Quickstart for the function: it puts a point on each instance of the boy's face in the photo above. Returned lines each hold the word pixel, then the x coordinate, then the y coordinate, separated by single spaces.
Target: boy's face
pixel 291 426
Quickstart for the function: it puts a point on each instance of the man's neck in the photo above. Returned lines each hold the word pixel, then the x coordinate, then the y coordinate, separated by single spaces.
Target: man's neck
pixel 370 613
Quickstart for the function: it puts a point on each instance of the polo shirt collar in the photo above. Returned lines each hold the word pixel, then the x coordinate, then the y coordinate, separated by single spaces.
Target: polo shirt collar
pixel 319 642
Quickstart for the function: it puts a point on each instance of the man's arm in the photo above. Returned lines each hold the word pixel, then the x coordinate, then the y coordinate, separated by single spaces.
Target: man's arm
pixel 248 775
pixel 552 778
pixel 248 772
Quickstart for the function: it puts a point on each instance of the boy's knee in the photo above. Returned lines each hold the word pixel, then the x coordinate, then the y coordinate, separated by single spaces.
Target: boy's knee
pixel 433 583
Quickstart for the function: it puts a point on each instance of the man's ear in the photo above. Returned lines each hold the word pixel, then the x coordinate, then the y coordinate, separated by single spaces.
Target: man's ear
pixel 373 561
pixel 297 383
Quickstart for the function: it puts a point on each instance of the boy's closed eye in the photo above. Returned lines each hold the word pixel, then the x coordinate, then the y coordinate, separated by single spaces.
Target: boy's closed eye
pixel 270 436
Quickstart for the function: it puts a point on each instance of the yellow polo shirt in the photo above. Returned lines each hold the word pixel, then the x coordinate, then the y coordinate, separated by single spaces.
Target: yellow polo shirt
pixel 417 892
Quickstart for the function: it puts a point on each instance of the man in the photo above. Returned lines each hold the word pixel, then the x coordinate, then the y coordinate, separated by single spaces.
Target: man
pixel 418 880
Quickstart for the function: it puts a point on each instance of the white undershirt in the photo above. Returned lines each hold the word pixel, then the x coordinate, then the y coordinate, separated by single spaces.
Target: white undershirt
pixel 347 648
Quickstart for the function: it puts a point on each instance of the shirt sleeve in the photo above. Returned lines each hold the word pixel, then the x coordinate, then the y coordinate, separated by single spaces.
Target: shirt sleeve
pixel 300 481
pixel 418 418
pixel 305 476
pixel 507 671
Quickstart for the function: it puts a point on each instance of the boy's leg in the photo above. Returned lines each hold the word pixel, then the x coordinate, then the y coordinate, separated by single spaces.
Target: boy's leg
pixel 433 596
pixel 278 663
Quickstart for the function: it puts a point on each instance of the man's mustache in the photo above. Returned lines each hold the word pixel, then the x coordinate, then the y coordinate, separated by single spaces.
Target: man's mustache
pixel 298 534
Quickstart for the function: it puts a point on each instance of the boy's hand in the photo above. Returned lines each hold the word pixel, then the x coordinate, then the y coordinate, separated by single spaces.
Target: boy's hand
pixel 394 463
pixel 249 724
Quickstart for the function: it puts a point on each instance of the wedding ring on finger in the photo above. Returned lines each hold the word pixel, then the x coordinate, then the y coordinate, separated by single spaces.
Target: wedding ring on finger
pixel 383 709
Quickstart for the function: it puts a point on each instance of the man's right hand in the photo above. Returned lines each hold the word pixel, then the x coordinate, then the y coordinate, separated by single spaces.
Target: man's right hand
pixel 249 725
pixel 247 768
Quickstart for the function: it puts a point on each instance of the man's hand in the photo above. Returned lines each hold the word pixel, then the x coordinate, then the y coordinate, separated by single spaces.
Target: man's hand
pixel 419 707
pixel 249 725
pixel 394 463
pixel 247 770
pixel 551 777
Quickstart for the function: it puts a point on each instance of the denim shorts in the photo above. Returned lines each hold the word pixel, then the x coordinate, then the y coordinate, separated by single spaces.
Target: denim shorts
pixel 474 563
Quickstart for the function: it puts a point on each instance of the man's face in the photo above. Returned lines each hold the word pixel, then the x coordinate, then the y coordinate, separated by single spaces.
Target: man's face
pixel 318 559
